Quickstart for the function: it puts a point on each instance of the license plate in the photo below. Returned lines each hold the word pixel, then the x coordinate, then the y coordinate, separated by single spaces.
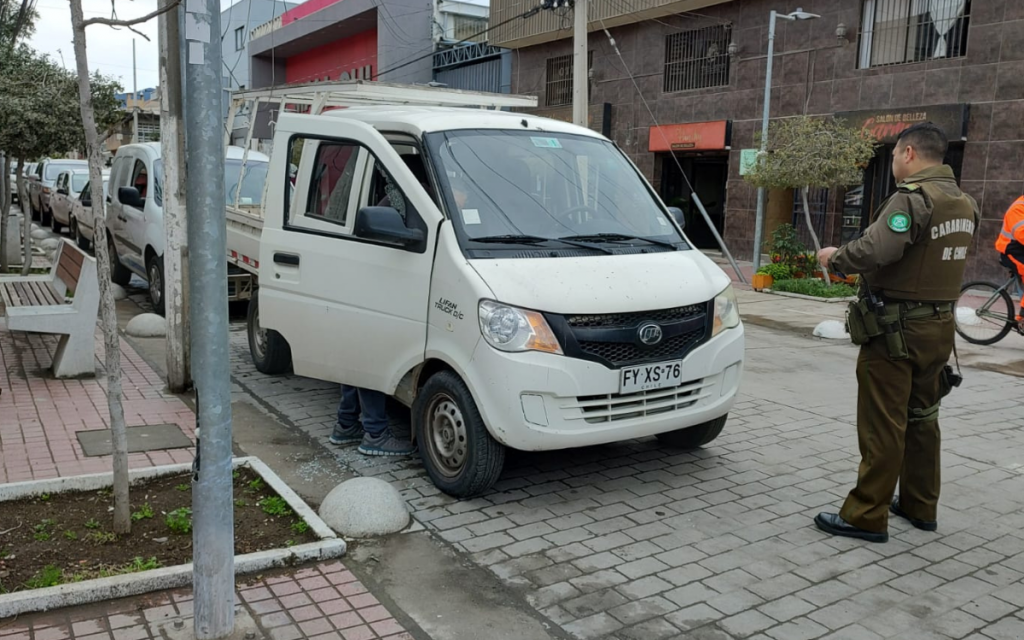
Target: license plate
pixel 647 377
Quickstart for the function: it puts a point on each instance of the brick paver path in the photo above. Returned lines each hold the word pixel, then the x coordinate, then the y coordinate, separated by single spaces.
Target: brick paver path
pixel 321 602
pixel 633 541
pixel 39 415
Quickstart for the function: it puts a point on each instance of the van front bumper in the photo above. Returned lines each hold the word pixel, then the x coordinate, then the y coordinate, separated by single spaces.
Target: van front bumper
pixel 537 401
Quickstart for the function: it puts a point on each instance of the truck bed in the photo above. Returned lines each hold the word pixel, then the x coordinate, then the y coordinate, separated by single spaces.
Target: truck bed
pixel 243 238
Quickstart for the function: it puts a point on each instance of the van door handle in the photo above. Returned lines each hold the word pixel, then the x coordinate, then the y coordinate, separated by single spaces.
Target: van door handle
pixel 286 258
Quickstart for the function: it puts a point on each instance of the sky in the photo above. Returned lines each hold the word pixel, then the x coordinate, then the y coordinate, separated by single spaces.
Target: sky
pixel 109 50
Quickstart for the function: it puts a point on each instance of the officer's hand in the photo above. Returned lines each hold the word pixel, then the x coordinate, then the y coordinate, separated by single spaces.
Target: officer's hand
pixel 825 254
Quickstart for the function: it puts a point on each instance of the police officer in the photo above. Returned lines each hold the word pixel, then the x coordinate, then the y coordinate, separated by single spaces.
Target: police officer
pixel 911 261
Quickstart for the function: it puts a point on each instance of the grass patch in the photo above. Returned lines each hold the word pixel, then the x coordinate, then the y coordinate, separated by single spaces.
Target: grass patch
pixel 179 521
pixel 814 288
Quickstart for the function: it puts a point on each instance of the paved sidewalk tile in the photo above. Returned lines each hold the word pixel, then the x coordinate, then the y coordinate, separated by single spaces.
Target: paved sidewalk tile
pixel 311 610
pixel 634 540
pixel 39 415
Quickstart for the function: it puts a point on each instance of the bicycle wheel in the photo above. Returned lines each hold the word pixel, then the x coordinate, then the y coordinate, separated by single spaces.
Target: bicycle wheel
pixel 984 313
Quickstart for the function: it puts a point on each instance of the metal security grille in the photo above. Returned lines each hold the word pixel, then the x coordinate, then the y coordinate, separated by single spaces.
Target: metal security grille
pixel 466 26
pixel 697 59
pixel 905 31
pixel 817 198
pixel 559 81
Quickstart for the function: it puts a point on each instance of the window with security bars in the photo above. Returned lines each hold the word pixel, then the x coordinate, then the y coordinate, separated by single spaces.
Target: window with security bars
pixel 558 82
pixel 907 31
pixel 465 27
pixel 697 59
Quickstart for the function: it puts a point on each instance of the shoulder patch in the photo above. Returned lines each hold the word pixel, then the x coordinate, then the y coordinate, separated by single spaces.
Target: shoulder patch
pixel 911 186
pixel 899 221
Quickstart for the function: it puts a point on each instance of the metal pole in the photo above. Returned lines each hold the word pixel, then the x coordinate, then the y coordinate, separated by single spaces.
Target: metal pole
pixel 762 194
pixel 580 93
pixel 135 98
pixel 175 240
pixel 213 532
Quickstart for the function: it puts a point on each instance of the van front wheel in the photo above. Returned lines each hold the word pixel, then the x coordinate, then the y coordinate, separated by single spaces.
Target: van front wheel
pixel 270 351
pixel 694 437
pixel 461 457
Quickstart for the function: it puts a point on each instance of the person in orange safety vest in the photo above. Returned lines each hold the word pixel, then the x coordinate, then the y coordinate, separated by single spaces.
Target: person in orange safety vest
pixel 1010 243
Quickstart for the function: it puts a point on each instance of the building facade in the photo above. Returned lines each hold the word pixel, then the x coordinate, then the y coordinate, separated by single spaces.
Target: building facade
pixel 236 22
pixel 685 98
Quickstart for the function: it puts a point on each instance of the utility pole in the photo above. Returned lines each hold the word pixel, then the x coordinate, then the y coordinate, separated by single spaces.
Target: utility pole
pixel 580 75
pixel 135 98
pixel 213 532
pixel 172 143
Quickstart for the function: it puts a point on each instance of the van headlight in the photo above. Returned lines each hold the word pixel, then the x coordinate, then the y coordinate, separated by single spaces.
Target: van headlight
pixel 508 328
pixel 727 311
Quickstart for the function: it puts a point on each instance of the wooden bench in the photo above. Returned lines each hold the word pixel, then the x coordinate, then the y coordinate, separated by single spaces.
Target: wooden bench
pixel 64 302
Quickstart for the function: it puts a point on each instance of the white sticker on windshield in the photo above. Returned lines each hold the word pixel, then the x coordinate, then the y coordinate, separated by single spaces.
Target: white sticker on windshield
pixel 662 222
pixel 546 143
pixel 471 216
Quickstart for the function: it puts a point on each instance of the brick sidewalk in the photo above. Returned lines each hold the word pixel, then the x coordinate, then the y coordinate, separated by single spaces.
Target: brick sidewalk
pixel 320 602
pixel 40 415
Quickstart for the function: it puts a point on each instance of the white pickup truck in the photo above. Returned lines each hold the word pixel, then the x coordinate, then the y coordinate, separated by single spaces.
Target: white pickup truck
pixel 513 279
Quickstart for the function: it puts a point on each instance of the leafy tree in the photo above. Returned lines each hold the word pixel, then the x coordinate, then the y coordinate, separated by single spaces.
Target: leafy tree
pixel 40 114
pixel 805 152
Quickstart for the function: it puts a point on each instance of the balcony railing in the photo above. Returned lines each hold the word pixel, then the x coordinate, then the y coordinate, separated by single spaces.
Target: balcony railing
pixel 551 25
pixel 265 28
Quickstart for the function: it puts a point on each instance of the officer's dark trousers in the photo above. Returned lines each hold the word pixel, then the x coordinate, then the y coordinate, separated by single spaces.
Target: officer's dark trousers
pixel 894 448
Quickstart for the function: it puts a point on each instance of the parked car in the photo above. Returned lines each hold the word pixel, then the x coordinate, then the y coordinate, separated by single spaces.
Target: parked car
pixel 83 223
pixel 514 280
pixel 41 189
pixel 68 186
pixel 26 171
pixel 135 219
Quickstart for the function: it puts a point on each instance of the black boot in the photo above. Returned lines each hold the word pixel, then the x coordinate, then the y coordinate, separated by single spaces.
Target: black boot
pixel 923 525
pixel 833 524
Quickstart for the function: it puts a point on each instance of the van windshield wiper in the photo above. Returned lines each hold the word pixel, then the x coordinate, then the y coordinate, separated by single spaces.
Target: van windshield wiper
pixel 513 238
pixel 617 237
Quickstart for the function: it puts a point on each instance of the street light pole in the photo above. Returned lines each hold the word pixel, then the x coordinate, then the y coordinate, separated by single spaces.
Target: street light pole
pixel 580 79
pixel 762 193
pixel 213 529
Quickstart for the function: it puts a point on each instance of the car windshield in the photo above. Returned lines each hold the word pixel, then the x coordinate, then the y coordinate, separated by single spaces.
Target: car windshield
pixel 78 181
pixel 519 185
pixel 54 169
pixel 252 182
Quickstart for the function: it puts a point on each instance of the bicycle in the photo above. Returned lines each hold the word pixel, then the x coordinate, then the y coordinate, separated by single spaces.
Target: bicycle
pixel 985 311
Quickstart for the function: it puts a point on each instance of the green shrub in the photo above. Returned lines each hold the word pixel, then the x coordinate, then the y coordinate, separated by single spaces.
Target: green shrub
pixel 785 246
pixel 275 506
pixel 144 513
pixel 179 521
pixel 300 527
pixel 777 271
pixel 815 288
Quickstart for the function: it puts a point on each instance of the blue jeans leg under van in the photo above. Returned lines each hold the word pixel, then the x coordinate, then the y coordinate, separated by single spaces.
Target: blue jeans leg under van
pixel 363 406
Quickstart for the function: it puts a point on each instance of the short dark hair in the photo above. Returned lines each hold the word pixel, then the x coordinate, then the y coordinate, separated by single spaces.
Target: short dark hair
pixel 927 139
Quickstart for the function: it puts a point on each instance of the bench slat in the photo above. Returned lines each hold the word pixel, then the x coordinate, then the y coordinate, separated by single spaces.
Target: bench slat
pixel 7 295
pixel 46 293
pixel 69 265
pixel 28 299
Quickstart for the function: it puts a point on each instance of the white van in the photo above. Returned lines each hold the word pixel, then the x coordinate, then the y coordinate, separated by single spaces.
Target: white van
pixel 513 279
pixel 135 221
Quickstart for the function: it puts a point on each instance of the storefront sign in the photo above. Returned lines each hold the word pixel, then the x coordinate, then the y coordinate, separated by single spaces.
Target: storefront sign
pixel 599 116
pixel 748 158
pixel 694 136
pixel 887 124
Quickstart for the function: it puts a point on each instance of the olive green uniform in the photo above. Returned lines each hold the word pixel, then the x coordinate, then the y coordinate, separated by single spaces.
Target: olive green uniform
pixel 912 256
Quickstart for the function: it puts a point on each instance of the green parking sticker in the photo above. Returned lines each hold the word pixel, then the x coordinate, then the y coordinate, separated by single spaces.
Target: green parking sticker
pixel 899 221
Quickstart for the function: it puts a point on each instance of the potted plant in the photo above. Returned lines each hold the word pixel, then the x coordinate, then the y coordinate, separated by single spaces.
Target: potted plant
pixel 769 273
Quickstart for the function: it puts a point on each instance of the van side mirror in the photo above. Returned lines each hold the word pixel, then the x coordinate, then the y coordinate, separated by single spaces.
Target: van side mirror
pixel 677 213
pixel 130 196
pixel 86 199
pixel 385 224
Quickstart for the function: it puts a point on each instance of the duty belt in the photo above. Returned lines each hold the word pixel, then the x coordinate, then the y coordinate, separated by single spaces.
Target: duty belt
pixel 916 310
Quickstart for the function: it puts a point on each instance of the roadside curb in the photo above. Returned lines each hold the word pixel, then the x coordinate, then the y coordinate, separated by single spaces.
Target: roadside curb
pixel 328 547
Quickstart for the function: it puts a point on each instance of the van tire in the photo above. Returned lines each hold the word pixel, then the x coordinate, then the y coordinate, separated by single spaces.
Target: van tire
pixel 445 398
pixel 270 352
pixel 157 284
pixel 119 274
pixel 694 437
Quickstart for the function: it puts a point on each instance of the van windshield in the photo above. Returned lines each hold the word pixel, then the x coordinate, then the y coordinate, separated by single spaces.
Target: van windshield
pixel 79 180
pixel 54 169
pixel 252 182
pixel 546 188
